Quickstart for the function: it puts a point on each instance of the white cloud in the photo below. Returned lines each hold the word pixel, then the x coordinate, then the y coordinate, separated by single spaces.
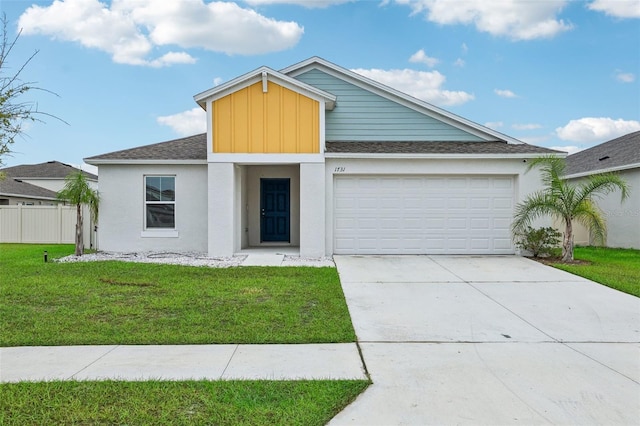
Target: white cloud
pixel 505 93
pixel 464 48
pixel 422 58
pixel 596 129
pixel 530 126
pixel 570 149
pixel 459 62
pixel 625 77
pixel 518 20
pixel 425 85
pixel 130 30
pixel 306 3
pixel 172 58
pixel 186 123
pixel 617 8
pixel 540 140
pixel 494 124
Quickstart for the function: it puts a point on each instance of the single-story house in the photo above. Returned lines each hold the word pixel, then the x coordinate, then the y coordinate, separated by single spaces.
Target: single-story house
pixel 37 184
pixel 318 157
pixel 620 155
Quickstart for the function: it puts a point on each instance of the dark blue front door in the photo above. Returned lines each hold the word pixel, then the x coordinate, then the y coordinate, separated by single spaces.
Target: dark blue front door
pixel 274 210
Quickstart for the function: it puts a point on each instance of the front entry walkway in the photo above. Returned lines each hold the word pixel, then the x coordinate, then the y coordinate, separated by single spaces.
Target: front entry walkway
pixel 489 340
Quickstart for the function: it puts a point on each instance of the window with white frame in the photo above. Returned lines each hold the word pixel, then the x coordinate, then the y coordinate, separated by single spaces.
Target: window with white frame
pixel 160 202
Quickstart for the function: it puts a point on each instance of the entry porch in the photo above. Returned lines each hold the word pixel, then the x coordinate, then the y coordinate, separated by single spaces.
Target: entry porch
pixel 280 206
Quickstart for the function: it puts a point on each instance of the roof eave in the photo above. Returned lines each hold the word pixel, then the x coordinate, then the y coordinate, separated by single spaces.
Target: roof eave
pixel 440 156
pixel 257 74
pixel 605 170
pixel 106 161
pixel 34 197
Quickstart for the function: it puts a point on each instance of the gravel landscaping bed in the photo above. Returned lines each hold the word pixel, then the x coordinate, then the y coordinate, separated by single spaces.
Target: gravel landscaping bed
pixel 190 259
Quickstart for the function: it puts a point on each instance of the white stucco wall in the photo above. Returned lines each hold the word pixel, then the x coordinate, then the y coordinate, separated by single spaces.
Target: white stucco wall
pixel 222 210
pixel 622 218
pixel 121 221
pixel 525 183
pixel 312 210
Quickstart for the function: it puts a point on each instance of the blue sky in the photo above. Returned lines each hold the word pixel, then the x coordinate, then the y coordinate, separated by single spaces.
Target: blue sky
pixel 552 73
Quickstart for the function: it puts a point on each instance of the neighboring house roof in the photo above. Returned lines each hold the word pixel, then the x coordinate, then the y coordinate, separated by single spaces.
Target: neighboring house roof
pixel 12 187
pixel 617 154
pixel 434 148
pixel 48 170
pixel 397 96
pixel 189 149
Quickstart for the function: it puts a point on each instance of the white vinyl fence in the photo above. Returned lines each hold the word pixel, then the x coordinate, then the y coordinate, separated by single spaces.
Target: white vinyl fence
pixel 42 224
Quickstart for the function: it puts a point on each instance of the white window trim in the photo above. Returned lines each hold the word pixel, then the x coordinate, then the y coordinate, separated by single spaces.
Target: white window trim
pixel 159 232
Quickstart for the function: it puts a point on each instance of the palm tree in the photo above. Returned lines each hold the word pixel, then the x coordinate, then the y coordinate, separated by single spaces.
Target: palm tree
pixel 77 191
pixel 567 201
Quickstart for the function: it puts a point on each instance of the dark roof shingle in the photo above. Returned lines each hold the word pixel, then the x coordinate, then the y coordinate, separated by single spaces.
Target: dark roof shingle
pixel 619 152
pixel 444 147
pixel 195 148
pixel 189 148
pixel 50 169
pixel 15 187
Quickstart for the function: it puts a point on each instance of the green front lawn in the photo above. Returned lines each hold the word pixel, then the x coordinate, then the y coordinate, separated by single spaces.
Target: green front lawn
pixel 615 268
pixel 180 403
pixel 128 303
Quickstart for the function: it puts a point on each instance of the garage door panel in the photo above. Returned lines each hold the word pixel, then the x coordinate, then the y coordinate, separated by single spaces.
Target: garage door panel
pixel 503 203
pixel 423 214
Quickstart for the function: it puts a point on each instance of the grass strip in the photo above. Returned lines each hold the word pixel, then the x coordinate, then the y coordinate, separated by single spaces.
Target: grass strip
pixel 613 267
pixel 177 403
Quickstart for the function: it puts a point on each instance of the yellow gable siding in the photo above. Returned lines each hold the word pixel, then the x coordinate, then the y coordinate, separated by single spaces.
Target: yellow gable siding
pixel 279 121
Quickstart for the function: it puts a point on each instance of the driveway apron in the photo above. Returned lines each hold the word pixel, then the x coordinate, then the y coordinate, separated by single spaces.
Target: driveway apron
pixel 489 340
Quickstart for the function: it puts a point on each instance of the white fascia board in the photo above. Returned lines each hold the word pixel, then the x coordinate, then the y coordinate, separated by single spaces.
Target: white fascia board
pixel 99 162
pixel 607 170
pixel 265 159
pixel 429 156
pixel 399 97
pixel 272 75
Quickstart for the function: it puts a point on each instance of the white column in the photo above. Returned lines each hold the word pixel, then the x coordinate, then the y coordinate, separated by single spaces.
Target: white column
pixel 312 210
pixel 221 208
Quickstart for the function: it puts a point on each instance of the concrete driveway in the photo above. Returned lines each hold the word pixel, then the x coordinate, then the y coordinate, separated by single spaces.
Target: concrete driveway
pixel 489 340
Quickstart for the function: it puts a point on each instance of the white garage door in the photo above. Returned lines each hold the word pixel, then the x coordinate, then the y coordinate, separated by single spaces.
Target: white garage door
pixel 423 214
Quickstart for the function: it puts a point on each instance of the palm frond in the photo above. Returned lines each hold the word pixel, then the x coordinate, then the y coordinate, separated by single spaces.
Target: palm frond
pixel 536 205
pixel 602 184
pixel 589 214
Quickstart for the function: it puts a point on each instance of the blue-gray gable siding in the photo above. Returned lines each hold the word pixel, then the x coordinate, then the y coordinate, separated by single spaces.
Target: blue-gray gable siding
pixel 361 115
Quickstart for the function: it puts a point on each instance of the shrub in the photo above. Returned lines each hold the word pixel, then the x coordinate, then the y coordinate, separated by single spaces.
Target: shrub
pixel 538 241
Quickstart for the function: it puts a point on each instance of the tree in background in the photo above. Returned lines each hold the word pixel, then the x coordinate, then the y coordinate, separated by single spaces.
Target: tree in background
pixel 567 201
pixel 78 192
pixel 13 110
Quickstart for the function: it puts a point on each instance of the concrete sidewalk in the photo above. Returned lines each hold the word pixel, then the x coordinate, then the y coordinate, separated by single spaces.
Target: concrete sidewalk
pixel 181 362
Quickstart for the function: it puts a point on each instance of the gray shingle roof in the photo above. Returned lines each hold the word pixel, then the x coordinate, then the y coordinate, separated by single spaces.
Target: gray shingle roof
pixel 435 148
pixel 195 148
pixel 15 187
pixel 189 148
pixel 50 169
pixel 619 152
